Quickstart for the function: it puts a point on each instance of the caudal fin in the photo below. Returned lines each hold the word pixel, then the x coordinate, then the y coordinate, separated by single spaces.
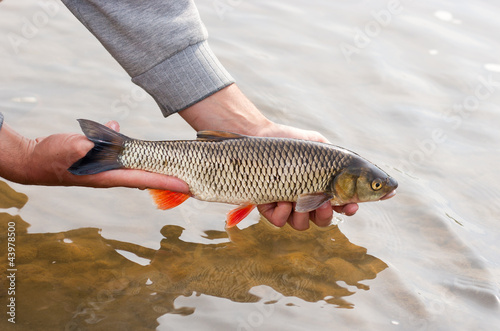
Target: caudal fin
pixel 104 156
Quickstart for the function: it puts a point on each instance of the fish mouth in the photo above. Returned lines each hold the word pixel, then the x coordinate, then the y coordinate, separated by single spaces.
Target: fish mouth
pixel 388 195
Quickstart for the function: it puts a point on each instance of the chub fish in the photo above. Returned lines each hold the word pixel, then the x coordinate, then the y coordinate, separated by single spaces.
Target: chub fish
pixel 242 170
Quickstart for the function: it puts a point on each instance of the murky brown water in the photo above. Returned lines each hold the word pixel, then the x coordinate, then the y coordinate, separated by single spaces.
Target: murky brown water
pixel 412 86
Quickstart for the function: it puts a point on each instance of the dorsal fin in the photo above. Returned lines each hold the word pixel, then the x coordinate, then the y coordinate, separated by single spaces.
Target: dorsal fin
pixel 217 135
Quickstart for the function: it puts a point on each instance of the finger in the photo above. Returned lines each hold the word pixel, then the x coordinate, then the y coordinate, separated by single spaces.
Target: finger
pixel 276 213
pixel 279 130
pixel 266 210
pixel 282 213
pixel 113 125
pixel 300 221
pixel 147 180
pixel 134 179
pixel 348 210
pixel 323 215
pixel 71 147
pixel 316 136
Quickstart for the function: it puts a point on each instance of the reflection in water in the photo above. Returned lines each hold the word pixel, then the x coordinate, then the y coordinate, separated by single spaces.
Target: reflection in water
pixel 307 265
pixel 9 198
pixel 77 278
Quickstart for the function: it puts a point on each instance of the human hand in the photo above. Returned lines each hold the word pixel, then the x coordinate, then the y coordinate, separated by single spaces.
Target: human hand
pixel 45 161
pixel 229 110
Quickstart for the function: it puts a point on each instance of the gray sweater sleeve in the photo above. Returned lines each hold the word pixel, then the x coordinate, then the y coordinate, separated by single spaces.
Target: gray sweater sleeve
pixel 1 120
pixel 162 44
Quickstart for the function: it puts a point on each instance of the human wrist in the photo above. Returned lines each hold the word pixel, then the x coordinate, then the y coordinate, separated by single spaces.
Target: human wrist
pixel 14 155
pixel 226 110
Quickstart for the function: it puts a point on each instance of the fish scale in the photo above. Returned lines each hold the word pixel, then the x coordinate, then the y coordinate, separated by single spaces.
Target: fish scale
pixel 236 171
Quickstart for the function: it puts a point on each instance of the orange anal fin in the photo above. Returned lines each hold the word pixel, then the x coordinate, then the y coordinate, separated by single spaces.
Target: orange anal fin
pixel 165 199
pixel 238 214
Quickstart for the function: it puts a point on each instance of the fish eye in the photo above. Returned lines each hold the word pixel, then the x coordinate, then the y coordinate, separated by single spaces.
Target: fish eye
pixel 377 184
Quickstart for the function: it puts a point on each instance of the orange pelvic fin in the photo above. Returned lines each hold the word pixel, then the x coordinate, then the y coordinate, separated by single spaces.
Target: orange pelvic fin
pixel 165 199
pixel 238 214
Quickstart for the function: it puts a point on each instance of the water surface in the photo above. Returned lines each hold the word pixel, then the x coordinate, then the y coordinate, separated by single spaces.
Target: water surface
pixel 412 86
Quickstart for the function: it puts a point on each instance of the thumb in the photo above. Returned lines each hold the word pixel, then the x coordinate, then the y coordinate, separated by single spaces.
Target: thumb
pixel 113 125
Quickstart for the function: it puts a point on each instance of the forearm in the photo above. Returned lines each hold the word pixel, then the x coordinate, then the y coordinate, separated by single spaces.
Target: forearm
pixel 161 44
pixel 13 155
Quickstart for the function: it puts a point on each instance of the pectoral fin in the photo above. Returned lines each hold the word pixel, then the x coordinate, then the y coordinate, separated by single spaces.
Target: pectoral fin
pixel 311 201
